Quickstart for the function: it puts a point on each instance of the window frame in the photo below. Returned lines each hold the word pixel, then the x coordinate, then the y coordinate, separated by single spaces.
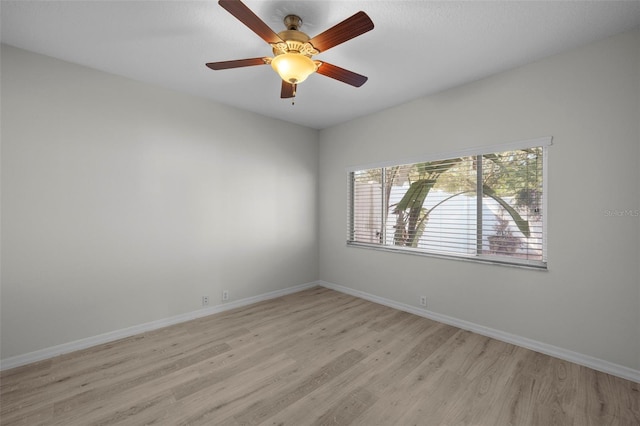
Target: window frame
pixel 543 142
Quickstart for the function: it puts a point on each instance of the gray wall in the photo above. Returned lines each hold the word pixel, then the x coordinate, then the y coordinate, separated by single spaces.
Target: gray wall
pixel 123 203
pixel 589 299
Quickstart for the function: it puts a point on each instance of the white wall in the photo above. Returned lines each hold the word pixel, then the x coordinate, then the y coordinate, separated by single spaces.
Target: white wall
pixel 589 299
pixel 124 203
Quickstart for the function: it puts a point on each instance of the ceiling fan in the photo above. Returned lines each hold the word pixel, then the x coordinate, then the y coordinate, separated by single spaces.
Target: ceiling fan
pixel 293 50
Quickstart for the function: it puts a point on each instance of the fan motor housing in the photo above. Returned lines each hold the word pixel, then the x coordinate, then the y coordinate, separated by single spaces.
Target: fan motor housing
pixel 293 35
pixel 294 39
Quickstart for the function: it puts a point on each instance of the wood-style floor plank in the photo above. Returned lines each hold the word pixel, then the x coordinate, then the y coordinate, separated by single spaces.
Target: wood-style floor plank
pixel 316 357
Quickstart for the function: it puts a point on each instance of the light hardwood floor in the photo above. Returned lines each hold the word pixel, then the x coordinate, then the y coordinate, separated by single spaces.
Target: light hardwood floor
pixel 317 357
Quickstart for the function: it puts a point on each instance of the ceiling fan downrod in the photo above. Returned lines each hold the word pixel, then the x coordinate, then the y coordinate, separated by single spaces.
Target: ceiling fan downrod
pixel 292 22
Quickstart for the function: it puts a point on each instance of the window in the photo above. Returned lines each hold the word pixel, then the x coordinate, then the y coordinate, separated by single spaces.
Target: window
pixel 487 205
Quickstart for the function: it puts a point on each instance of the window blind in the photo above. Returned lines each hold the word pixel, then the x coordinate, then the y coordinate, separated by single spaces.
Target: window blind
pixel 488 206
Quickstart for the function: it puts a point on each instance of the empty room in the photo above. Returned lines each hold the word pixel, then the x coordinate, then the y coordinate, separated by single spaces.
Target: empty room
pixel 267 212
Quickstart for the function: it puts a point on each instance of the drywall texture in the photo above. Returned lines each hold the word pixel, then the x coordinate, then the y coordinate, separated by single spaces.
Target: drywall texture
pixel 588 300
pixel 123 203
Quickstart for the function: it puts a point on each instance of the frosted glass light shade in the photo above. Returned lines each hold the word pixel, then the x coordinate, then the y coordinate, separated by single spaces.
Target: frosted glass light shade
pixel 292 67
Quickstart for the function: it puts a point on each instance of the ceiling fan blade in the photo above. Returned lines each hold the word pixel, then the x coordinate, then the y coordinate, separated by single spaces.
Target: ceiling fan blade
pixel 250 19
pixel 342 74
pixel 238 63
pixel 350 28
pixel 288 90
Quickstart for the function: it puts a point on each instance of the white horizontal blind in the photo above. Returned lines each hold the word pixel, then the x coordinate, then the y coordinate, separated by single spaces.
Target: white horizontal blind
pixel 366 206
pixel 488 207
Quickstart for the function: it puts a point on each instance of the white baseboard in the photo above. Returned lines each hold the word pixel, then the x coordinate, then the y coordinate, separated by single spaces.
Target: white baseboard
pixel 567 355
pixel 555 351
pixel 46 353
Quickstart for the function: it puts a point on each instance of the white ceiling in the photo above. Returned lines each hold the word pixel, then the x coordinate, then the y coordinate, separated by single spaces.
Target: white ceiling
pixel 416 48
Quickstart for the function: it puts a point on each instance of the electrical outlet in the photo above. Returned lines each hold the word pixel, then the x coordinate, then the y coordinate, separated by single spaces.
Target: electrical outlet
pixel 225 295
pixel 205 300
pixel 423 301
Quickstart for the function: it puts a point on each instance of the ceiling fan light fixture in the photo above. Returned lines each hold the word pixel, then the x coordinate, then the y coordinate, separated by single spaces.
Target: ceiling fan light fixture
pixel 293 49
pixel 293 67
